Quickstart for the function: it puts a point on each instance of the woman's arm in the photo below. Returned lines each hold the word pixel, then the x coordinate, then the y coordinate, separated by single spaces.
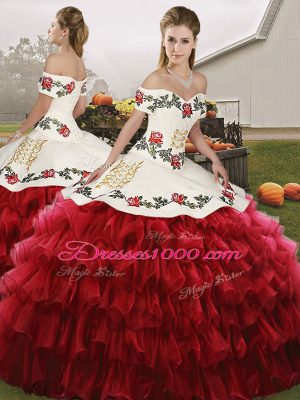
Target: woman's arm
pixel 127 132
pixel 43 101
pixel 80 107
pixel 197 138
pixel 40 108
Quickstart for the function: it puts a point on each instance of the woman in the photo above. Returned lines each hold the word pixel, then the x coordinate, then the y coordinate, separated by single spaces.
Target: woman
pixel 132 303
pixel 56 153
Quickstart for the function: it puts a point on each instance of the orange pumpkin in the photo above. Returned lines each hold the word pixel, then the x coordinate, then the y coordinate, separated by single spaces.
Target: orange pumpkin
pixel 211 114
pixel 271 193
pixel 101 99
pixel 292 191
pixel 219 146
pixel 190 148
pixel 230 145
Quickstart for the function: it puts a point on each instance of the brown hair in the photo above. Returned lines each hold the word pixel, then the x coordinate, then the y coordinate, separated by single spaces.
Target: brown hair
pixel 71 17
pixel 177 16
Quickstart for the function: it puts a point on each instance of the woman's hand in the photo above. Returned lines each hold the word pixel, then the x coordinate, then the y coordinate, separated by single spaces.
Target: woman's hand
pixel 218 168
pixel 95 175
pixel 15 136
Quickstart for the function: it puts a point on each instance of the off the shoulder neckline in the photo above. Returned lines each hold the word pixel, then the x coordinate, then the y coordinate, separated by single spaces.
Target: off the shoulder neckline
pixel 65 76
pixel 169 91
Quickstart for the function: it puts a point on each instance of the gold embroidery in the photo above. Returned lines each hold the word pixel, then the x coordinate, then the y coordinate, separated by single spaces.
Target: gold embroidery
pixel 120 175
pixel 178 138
pixel 27 152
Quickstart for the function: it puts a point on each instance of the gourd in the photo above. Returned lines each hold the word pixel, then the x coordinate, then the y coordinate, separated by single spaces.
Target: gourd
pixel 102 99
pixel 190 147
pixel 271 193
pixel 292 191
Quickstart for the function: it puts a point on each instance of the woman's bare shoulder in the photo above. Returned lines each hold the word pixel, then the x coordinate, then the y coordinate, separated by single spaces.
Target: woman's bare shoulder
pixel 60 64
pixel 154 79
pixel 201 81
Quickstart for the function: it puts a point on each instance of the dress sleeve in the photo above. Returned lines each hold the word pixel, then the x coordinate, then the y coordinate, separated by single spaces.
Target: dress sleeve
pixel 145 100
pixel 83 89
pixel 203 106
pixel 47 85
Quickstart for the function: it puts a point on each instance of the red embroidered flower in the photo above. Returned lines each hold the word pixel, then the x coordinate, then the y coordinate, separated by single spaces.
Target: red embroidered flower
pixel 49 173
pixel 47 83
pixel 70 87
pixel 139 97
pixel 64 130
pixel 187 109
pixel 134 201
pixel 12 179
pixel 156 137
pixel 175 161
pixel 178 198
pixel 228 185
pixel 228 194
pixel 85 173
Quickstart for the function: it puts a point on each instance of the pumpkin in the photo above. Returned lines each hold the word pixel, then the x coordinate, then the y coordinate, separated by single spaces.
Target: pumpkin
pixel 190 148
pixel 230 145
pixel 211 114
pixel 101 99
pixel 271 193
pixel 292 191
pixel 218 146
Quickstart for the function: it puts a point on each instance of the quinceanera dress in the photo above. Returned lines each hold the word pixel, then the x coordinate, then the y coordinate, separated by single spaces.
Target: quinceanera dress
pixel 54 155
pixel 118 294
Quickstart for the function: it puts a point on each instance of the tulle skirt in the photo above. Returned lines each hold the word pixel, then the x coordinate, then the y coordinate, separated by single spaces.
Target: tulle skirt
pixel 16 215
pixel 170 318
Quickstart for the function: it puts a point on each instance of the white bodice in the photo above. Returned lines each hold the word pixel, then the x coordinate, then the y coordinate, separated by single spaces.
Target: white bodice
pixel 59 120
pixel 166 133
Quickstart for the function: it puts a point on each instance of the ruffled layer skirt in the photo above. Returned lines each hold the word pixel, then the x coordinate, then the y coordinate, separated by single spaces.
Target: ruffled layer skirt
pixel 103 304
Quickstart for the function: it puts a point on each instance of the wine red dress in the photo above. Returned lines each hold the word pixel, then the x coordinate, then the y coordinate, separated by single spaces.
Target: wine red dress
pixel 153 282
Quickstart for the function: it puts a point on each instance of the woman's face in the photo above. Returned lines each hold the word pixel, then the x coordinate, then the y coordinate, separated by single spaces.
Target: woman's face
pixel 179 43
pixel 55 33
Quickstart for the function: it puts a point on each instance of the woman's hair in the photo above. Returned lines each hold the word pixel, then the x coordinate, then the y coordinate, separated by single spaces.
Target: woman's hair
pixel 71 17
pixel 177 16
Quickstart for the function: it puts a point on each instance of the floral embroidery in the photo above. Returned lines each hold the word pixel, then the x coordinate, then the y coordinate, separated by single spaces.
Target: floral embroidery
pixel 228 197
pixel 187 110
pixel 49 173
pixel 158 202
pixel 70 87
pixel 140 97
pixel 27 152
pixel 156 137
pixel 83 89
pixel 12 177
pixel 47 83
pixel 62 129
pixel 120 174
pixel 163 101
pixel 178 198
pixel 155 140
pixel 178 138
pixel 133 201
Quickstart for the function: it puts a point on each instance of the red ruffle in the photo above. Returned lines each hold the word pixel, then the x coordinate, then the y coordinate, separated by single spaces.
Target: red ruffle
pixel 132 337
pixel 16 214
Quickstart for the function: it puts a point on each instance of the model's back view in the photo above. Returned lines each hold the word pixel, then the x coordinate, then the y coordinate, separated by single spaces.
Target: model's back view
pixel 56 153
